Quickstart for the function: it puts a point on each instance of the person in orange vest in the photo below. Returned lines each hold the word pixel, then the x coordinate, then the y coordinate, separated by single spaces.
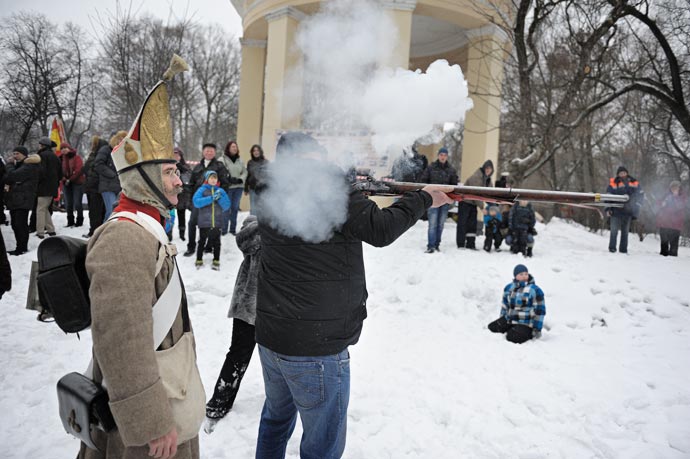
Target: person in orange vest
pixel 621 217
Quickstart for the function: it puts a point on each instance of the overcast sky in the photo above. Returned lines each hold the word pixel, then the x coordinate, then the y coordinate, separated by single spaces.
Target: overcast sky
pixel 85 12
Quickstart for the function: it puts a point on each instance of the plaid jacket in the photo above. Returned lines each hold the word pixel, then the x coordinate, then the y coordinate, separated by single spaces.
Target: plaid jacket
pixel 523 303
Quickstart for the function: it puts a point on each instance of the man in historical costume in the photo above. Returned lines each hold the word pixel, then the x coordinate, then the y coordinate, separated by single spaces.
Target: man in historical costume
pixel 130 268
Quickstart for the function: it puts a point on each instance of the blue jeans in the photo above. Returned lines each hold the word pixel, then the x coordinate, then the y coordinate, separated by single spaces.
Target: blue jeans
pixel 437 217
pixel 109 199
pixel 73 194
pixel 230 215
pixel 318 388
pixel 619 223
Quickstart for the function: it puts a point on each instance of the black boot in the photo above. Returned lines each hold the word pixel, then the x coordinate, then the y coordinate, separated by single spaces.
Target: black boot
pixel 80 220
pixel 529 252
pixel 70 220
pixel 182 234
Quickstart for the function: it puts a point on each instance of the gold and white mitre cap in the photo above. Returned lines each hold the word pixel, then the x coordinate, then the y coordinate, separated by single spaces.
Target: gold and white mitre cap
pixel 150 140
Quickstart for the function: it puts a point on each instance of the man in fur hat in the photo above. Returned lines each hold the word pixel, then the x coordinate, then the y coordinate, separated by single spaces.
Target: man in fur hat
pixel 130 269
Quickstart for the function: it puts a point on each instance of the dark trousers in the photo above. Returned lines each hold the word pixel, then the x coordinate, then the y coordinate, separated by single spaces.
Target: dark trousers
pixel 236 362
pixel 191 229
pixel 491 237
pixel 515 333
pixel 20 226
pixel 466 231
pixel 96 210
pixel 669 241
pixel 622 224
pixel 181 221
pixel 210 236
pixel 73 195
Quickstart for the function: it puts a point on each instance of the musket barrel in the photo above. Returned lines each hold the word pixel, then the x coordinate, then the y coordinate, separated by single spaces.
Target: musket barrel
pixel 516 194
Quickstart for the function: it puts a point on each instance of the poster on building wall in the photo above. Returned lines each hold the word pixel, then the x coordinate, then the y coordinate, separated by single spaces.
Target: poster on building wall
pixel 348 149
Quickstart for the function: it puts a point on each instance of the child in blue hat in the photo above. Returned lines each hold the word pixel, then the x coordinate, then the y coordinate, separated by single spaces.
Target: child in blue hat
pixel 523 309
pixel 211 200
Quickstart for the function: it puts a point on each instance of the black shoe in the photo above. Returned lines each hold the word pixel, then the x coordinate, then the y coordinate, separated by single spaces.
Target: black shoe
pixel 40 236
pixel 612 250
pixel 69 225
pixel 528 254
pixel 52 234
pixel 487 249
pixel 429 250
pixel 78 224
pixel 182 237
pixel 437 249
pixel 189 252
pixel 45 316
pixel 17 252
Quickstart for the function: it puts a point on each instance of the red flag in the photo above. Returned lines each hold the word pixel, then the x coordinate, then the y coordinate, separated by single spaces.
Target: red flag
pixel 57 133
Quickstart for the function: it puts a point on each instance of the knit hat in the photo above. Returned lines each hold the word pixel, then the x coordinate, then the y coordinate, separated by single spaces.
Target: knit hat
pixel 45 141
pixel 65 145
pixel 208 175
pixel 210 145
pixel 519 269
pixel 622 169
pixel 298 143
pixel 443 150
pixel 21 150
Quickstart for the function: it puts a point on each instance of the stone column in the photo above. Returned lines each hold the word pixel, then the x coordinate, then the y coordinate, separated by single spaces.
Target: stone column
pixel 484 73
pixel 283 96
pixel 249 117
pixel 400 12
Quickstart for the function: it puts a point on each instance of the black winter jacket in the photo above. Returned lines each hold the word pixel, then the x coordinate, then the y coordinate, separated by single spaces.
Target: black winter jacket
pixel 199 170
pixel 522 218
pixel 440 174
pixel 23 182
pixel 105 168
pixel 51 173
pixel 254 170
pixel 312 297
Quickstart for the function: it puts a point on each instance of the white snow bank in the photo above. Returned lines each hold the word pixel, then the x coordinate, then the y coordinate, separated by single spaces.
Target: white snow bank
pixel 608 379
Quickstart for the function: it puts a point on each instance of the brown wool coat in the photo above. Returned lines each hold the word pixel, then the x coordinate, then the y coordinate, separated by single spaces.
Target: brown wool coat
pixel 121 265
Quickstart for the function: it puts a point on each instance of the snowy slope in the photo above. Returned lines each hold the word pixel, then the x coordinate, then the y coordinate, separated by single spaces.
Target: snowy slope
pixel 428 379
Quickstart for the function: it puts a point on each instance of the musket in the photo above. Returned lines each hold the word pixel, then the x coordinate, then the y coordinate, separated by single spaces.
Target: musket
pixel 373 187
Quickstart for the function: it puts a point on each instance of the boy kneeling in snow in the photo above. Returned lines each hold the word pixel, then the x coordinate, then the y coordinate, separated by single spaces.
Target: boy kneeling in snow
pixel 523 309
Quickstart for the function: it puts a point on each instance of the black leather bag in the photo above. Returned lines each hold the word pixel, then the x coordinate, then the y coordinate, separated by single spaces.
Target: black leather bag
pixel 63 285
pixel 83 407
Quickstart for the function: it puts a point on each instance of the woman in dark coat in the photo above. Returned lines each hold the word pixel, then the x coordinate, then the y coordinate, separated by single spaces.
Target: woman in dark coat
pixel 184 199
pixel 20 185
pixel 671 218
pixel 254 168
pixel 93 196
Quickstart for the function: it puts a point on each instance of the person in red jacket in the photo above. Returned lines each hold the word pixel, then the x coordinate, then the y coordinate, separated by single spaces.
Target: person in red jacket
pixel 671 218
pixel 72 183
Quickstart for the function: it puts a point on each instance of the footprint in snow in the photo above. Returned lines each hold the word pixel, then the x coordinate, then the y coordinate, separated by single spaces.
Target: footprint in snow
pixel 556 269
pixel 595 291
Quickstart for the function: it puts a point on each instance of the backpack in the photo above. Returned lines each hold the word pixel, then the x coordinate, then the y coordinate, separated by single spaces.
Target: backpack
pixel 63 285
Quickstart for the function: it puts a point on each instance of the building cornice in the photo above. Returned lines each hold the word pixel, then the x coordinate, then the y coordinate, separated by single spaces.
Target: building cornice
pixel 489 30
pixel 446 44
pixel 402 5
pixel 253 43
pixel 289 11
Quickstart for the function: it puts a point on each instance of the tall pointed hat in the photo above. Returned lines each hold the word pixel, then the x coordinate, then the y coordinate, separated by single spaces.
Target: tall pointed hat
pixel 150 140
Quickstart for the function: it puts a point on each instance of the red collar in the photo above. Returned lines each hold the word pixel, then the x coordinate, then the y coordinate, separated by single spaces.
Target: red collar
pixel 130 205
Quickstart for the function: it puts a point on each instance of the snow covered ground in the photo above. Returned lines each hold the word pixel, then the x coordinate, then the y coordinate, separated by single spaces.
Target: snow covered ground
pixel 610 377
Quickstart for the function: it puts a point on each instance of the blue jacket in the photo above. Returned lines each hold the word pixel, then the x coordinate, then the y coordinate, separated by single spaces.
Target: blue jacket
pixel 523 303
pixel 628 186
pixel 493 223
pixel 211 202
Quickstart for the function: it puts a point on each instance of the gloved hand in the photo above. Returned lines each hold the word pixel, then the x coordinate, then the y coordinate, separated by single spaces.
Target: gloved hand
pixel 236 181
pixel 533 231
pixel 67 182
pixel 216 196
